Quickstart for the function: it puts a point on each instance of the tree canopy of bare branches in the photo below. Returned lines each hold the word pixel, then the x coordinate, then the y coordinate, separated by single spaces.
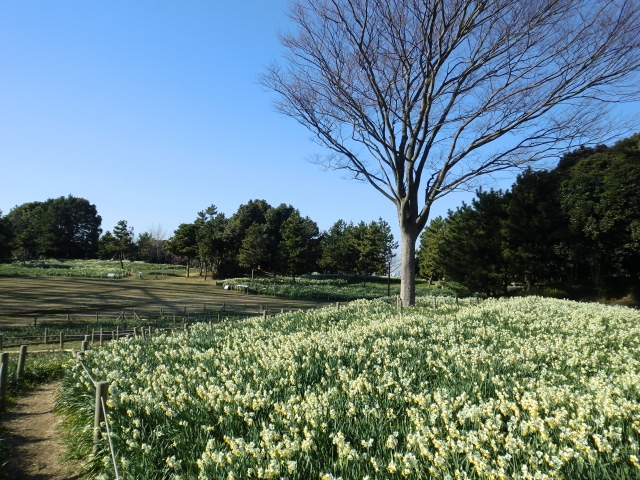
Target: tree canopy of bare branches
pixel 421 97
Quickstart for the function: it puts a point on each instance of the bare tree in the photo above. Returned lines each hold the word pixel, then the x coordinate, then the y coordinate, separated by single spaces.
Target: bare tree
pixel 421 97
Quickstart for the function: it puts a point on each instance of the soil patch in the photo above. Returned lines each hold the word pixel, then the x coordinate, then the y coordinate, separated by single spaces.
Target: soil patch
pixel 31 429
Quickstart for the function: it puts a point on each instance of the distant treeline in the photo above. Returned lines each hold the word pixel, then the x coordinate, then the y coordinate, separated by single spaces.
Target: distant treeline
pixel 574 227
pixel 257 236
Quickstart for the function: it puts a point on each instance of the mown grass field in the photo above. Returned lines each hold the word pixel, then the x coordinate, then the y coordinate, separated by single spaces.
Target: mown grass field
pixel 525 388
pixel 29 296
pixel 32 307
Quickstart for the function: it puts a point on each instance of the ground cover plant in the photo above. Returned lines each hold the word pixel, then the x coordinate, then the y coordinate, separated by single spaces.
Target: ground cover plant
pixel 515 388
pixel 329 288
pixel 86 268
pixel 38 369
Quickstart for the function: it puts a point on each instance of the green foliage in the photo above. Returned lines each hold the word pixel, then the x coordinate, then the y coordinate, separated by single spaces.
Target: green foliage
pixel 330 288
pixel 534 228
pixel 151 247
pixel 363 248
pixel 600 196
pixel 6 237
pixel 429 261
pixel 471 248
pixel 57 228
pixel 440 391
pixel 253 250
pixel 184 243
pixel 38 369
pixel 118 244
pixel 212 246
pixel 82 268
pixel 298 247
pixel 252 213
pixel 576 225
pixel 338 251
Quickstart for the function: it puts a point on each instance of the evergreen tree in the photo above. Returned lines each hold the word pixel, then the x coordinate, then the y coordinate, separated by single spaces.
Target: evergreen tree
pixel 273 227
pixel 151 246
pixel 253 250
pixel 6 235
pixel 534 228
pixel 184 243
pixel 299 246
pixel 31 235
pixel 471 252
pixel 123 241
pixel 338 249
pixel 600 196
pixel 430 264
pixel 58 228
pixel 212 245
pixel 253 212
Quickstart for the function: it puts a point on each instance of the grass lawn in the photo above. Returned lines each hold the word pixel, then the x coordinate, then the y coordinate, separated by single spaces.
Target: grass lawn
pixel 22 298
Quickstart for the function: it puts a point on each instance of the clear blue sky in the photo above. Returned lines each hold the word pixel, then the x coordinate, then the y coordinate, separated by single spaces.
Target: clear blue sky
pixel 151 110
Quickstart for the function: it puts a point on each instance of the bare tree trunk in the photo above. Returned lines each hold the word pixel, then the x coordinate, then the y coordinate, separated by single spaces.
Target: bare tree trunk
pixel 407 268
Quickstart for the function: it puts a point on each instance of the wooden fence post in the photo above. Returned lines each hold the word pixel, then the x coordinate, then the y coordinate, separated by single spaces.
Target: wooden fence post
pixel 4 374
pixel 61 340
pixel 21 359
pixel 85 344
pixel 102 390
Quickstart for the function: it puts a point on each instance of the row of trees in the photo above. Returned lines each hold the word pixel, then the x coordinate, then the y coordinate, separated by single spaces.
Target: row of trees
pixel 280 240
pixel 273 239
pixel 576 225
pixel 58 228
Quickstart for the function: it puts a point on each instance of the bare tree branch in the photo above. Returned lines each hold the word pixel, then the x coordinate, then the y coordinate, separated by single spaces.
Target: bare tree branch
pixel 421 97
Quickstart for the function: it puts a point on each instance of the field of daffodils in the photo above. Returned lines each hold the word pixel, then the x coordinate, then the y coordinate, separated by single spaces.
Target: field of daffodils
pixel 525 388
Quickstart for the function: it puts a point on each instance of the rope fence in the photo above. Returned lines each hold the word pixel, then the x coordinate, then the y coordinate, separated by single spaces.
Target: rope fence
pixel 100 413
pixel 69 327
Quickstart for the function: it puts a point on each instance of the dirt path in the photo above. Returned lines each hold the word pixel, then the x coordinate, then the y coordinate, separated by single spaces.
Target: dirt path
pixel 31 428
